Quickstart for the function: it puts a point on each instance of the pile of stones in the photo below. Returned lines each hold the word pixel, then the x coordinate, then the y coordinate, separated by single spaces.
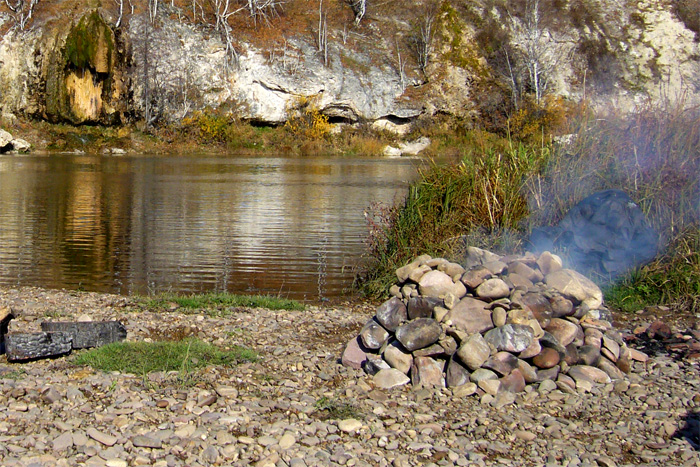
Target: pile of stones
pixel 492 325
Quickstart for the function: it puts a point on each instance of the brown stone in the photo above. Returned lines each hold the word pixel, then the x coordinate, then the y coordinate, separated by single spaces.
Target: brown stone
pixel 474 277
pixel 547 358
pixel 470 315
pixel 565 331
pixel 513 382
pixel 426 372
pixel 539 306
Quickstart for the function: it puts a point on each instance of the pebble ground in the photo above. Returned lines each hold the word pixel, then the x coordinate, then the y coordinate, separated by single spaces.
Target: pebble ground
pixel 297 406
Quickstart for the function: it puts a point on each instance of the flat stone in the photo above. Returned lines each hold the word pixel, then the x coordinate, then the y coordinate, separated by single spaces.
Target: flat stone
pixel 143 441
pixel 464 390
pixel 482 374
pixel 101 437
pixel 474 351
pixel 349 425
pixel 419 333
pixel 391 314
pixel 502 363
pixel 513 382
pixel 489 386
pixel 610 369
pixel 493 289
pixel 510 337
pixel 374 365
pixel 388 379
pixel 287 441
pixel 63 441
pixel 588 372
pixel 528 372
pixel 470 316
pixel 540 307
pixel 475 277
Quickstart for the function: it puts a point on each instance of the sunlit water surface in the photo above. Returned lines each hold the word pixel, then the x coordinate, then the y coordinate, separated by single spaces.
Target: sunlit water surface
pixel 293 227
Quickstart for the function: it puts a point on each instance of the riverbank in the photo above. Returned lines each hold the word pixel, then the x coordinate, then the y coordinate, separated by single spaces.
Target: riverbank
pixel 296 405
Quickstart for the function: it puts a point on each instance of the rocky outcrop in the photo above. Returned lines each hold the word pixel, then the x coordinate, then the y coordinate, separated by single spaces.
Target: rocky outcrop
pixel 8 143
pixel 85 70
pixel 67 71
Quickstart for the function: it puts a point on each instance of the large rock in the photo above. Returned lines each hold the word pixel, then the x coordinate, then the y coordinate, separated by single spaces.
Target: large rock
pixel 396 357
pixel 373 335
pixel 435 284
pixel 474 351
pixel 469 315
pixel 391 314
pixel 422 307
pixel 426 372
pixel 575 286
pixel 419 333
pixel 510 337
pixel 493 289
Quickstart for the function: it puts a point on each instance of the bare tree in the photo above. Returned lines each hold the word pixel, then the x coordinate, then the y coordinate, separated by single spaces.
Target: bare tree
pixel 322 33
pixel 359 8
pixel 152 10
pixel 22 10
pixel 420 40
pixel 536 48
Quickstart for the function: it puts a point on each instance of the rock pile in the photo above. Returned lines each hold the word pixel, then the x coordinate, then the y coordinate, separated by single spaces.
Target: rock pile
pixel 491 326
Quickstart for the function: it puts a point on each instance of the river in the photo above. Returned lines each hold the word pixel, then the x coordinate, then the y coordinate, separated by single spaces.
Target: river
pixel 283 226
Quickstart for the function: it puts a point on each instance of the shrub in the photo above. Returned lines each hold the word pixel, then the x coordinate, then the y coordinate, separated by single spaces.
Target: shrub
pixel 306 120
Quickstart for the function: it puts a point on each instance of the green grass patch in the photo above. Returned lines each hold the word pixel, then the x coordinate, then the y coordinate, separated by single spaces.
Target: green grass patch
pixel 334 409
pixel 141 358
pixel 673 279
pixel 218 303
pixel 482 194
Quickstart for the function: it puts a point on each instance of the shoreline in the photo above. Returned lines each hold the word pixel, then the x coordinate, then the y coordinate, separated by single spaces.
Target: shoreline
pixel 297 406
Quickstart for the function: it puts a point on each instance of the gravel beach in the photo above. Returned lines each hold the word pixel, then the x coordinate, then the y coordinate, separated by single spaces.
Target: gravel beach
pixel 298 406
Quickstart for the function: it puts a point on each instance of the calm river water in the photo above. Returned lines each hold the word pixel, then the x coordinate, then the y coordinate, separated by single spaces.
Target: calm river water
pixel 292 227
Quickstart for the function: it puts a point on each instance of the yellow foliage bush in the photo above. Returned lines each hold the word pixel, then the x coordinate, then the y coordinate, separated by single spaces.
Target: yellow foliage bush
pixel 306 120
pixel 535 120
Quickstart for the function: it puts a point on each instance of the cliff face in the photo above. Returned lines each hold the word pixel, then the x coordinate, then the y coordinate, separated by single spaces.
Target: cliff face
pixel 82 69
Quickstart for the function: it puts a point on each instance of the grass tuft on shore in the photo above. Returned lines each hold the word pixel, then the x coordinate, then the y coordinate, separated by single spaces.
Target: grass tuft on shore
pixel 141 358
pixel 219 303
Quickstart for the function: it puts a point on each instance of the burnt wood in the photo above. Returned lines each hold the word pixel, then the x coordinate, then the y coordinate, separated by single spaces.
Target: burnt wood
pixel 28 346
pixel 86 334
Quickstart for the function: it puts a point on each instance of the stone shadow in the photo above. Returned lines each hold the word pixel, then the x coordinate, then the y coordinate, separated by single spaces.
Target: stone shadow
pixel 690 429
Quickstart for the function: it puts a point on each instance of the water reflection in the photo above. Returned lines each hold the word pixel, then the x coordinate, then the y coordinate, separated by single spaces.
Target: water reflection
pixel 285 226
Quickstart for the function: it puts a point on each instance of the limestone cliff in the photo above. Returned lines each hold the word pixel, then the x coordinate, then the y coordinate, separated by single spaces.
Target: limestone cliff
pixel 82 68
